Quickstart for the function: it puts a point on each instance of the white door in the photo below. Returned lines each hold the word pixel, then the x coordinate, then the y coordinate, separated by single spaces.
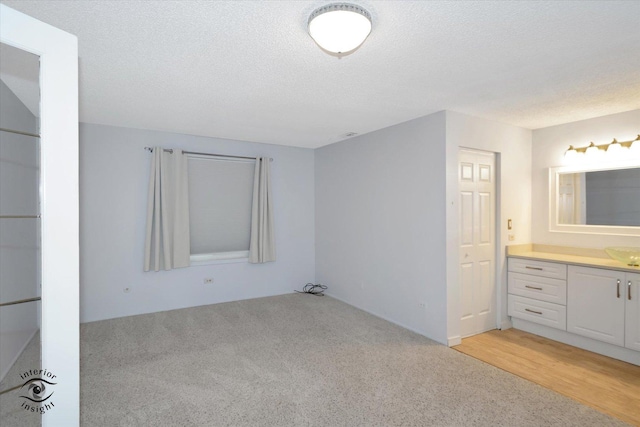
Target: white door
pixel 632 324
pixel 596 304
pixel 476 175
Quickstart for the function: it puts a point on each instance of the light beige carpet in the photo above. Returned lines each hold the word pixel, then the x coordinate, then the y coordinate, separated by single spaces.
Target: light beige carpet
pixel 297 360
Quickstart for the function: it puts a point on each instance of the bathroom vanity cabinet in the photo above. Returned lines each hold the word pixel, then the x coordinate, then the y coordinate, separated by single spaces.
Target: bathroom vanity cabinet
pixel 601 304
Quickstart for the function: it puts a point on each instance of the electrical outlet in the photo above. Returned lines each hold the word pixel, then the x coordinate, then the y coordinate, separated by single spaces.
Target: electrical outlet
pixel 126 290
pixel 512 237
pixel 207 280
pixel 422 304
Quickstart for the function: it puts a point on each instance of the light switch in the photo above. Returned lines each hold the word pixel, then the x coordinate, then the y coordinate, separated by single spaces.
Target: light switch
pixel 509 224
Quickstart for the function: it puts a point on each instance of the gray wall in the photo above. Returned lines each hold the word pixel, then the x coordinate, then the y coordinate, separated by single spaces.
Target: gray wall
pixel 387 217
pixel 380 223
pixel 19 240
pixel 114 170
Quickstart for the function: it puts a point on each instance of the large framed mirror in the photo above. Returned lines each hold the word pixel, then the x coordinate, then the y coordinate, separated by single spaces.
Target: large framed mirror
pixel 596 199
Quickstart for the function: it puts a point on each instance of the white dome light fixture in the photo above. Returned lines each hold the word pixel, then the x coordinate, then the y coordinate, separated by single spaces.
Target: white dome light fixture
pixel 340 28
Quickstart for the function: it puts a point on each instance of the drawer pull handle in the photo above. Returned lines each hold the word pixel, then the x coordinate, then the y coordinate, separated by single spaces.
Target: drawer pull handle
pixel 618 288
pixel 533 268
pixel 532 311
pixel 533 287
pixel 629 290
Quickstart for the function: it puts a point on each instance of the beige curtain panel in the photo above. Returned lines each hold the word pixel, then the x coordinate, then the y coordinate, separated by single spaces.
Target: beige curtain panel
pixel 262 247
pixel 167 244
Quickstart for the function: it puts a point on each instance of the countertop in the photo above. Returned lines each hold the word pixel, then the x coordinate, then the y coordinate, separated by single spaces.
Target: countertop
pixel 566 255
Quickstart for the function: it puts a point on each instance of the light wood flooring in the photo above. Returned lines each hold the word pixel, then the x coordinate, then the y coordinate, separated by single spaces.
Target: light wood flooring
pixel 608 385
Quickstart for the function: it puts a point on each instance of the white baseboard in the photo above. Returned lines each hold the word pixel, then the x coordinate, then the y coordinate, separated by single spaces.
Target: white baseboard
pixel 606 349
pixel 457 340
pixel 383 317
pixel 506 324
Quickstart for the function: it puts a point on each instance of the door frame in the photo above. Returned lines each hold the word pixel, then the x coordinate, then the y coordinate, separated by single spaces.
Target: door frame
pixel 58 52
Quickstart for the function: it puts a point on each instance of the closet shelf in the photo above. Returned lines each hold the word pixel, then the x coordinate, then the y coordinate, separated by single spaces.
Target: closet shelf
pixel 20 301
pixel 18 216
pixel 19 132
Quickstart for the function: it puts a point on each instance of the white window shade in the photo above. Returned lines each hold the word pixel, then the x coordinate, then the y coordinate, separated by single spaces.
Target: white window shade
pixel 220 197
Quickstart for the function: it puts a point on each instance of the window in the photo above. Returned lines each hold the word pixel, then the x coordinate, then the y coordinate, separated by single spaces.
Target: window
pixel 220 198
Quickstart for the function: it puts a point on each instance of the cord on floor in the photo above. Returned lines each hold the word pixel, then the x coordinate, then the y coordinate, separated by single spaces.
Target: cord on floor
pixel 310 288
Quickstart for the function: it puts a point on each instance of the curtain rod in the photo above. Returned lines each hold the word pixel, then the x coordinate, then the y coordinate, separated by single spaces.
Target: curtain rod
pixel 169 150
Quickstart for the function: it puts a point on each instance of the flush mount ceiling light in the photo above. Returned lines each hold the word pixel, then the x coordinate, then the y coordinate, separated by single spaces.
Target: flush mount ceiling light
pixel 339 28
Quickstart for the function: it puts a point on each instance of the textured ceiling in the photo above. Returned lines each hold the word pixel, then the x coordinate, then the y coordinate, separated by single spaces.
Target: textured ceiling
pixel 248 70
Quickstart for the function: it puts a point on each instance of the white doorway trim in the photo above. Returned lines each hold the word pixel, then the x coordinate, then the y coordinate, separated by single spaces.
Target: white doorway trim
pixel 58 52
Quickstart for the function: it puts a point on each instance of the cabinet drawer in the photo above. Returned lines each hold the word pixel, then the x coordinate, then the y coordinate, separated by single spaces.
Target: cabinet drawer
pixel 540 288
pixel 538 268
pixel 545 313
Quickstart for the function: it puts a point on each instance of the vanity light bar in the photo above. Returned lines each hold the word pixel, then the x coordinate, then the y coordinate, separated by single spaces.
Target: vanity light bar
pixel 604 147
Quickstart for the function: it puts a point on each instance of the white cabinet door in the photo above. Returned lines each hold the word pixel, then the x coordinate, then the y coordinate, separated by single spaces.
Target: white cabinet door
pixel 596 304
pixel 632 324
